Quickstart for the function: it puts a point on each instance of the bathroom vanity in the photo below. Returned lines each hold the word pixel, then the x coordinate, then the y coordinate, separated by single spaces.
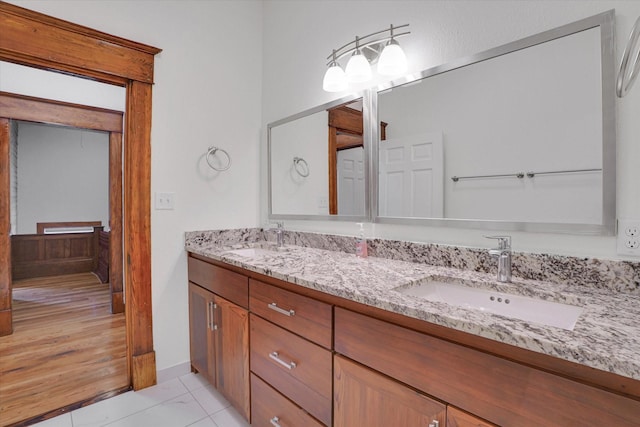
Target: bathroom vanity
pixel 332 341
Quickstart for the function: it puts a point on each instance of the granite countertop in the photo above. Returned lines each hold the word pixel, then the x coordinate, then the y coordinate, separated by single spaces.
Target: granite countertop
pixel 606 335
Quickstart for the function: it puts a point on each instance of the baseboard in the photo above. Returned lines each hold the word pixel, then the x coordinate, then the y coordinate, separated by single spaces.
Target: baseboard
pixel 172 372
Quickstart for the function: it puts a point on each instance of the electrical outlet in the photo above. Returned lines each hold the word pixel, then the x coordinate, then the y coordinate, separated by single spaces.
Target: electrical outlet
pixel 164 201
pixel 628 241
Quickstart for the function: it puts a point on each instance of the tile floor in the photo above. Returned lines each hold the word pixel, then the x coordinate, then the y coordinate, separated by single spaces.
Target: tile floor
pixel 185 401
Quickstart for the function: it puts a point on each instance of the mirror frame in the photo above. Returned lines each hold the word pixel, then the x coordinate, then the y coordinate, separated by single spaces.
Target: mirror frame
pixel 367 113
pixel 605 22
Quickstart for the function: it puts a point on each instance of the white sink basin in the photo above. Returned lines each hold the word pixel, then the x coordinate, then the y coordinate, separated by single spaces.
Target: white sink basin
pixel 524 308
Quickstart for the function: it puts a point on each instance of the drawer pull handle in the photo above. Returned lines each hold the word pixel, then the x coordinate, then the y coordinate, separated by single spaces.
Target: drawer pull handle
pixel 274 422
pixel 276 357
pixel 273 306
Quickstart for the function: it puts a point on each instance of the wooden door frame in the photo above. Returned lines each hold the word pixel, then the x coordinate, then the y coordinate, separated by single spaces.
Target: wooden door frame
pixel 36 40
pixel 27 108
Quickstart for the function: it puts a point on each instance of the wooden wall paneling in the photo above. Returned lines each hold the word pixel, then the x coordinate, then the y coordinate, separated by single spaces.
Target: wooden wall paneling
pixel 21 107
pixel 6 326
pixel 137 233
pixel 114 60
pixel 71 47
pixel 115 222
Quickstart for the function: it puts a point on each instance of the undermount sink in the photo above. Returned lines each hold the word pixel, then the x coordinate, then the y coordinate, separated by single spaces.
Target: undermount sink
pixel 257 251
pixel 515 306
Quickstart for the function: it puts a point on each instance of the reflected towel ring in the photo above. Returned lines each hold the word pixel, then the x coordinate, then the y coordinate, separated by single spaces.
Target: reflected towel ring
pixel 212 152
pixel 301 166
pixel 628 73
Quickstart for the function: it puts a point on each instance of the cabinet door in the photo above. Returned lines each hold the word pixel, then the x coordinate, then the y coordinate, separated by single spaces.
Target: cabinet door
pixel 202 343
pixel 232 353
pixel 457 418
pixel 365 398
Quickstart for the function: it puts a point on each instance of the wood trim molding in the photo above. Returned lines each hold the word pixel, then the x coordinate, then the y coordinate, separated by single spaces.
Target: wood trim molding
pixel 115 222
pixel 6 326
pixel 21 107
pixel 70 47
pixel 37 40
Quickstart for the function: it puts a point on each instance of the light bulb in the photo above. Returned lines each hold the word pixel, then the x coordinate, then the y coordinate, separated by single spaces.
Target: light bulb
pixel 392 60
pixel 334 79
pixel 358 69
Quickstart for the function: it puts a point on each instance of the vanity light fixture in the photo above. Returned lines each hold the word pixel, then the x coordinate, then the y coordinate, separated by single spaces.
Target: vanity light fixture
pixel 380 47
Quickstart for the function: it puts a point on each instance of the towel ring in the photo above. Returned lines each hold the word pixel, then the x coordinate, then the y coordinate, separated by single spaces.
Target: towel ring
pixel 301 166
pixel 628 73
pixel 212 152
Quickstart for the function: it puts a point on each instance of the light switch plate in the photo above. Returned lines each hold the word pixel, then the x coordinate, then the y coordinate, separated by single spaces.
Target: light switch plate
pixel 164 201
pixel 628 241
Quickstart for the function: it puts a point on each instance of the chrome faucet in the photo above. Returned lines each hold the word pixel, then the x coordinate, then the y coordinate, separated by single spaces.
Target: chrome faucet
pixel 280 233
pixel 503 253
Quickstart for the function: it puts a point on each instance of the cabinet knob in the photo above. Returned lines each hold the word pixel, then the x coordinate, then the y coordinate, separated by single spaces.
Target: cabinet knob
pixel 434 423
pixel 275 422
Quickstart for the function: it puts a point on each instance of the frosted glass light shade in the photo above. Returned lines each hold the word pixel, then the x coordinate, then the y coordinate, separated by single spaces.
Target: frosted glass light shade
pixel 334 79
pixel 392 60
pixel 358 69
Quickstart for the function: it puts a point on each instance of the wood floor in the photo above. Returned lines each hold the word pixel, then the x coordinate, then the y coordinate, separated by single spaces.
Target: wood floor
pixel 66 348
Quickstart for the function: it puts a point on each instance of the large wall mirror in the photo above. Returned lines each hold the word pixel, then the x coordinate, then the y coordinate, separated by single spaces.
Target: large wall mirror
pixel 318 163
pixel 520 137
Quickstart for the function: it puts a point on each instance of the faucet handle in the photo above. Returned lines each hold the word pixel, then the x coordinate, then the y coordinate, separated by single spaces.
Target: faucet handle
pixel 504 242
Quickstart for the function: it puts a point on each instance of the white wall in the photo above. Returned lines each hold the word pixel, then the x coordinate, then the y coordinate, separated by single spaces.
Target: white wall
pixel 63 175
pixel 207 92
pixel 13 176
pixel 441 31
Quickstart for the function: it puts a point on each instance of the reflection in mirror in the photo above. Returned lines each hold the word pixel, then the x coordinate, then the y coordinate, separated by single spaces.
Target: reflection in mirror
pixel 317 163
pixel 518 140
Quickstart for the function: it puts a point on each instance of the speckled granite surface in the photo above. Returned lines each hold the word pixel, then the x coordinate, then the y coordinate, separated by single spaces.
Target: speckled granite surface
pixel 606 335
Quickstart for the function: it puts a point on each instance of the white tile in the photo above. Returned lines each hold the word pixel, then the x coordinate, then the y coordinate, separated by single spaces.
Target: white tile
pixel 178 412
pixel 194 381
pixel 63 420
pixel 173 372
pixel 206 422
pixel 229 417
pixel 210 399
pixel 123 405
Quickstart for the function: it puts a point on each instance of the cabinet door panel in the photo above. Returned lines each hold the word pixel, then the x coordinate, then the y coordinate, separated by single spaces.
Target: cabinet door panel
pixel 268 405
pixel 311 319
pixel 308 383
pixel 365 398
pixel 232 355
pixel 457 418
pixel 201 341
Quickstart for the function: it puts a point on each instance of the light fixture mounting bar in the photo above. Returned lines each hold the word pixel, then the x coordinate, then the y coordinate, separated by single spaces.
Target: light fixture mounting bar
pixel 362 42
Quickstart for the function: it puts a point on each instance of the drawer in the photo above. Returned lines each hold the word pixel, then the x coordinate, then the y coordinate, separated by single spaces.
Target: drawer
pixel 498 390
pixel 228 284
pixel 305 316
pixel 269 408
pixel 297 368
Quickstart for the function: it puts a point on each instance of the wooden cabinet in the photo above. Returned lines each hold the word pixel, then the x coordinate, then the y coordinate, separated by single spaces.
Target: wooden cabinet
pixel 271 409
pixel 365 398
pixel 219 331
pixel 291 338
pixel 499 390
pixel 458 418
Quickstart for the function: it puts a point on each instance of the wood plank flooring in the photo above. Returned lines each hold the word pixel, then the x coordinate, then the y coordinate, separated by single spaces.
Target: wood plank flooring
pixel 66 348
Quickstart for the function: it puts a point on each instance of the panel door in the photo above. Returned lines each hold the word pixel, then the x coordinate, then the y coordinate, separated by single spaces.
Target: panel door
pixel 351 181
pixel 411 176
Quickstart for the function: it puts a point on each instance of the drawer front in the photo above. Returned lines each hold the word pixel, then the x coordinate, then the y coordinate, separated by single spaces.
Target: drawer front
pixel 228 284
pixel 305 316
pixel 496 389
pixel 297 368
pixel 271 409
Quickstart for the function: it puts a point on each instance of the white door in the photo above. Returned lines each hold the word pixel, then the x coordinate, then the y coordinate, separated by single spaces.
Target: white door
pixel 351 181
pixel 411 176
